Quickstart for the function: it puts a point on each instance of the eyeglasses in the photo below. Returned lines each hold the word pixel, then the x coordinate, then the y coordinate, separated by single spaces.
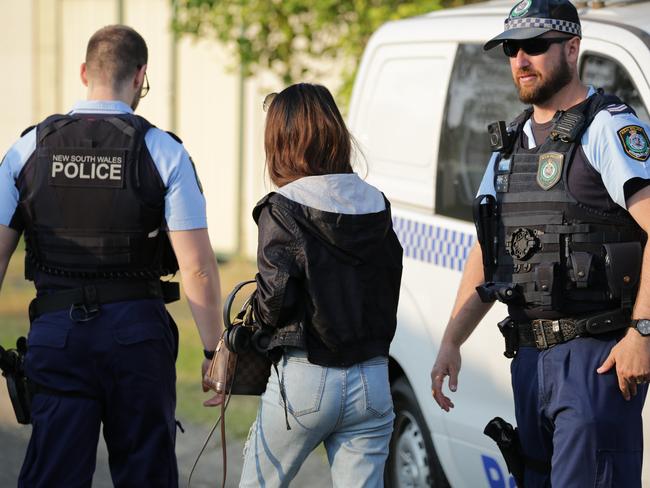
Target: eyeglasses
pixel 145 87
pixel 532 47
pixel 268 100
pixel 145 83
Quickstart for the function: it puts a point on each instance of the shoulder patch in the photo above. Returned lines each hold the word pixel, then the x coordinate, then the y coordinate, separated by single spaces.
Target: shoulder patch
pixel 635 142
pixel 175 137
pixel 27 130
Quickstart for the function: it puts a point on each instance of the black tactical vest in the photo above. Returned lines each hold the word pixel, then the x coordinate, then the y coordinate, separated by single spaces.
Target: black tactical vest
pixel 560 257
pixel 92 201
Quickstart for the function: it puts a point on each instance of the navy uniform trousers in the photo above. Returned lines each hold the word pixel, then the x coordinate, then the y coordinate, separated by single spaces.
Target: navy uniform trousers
pixel 577 420
pixel 116 370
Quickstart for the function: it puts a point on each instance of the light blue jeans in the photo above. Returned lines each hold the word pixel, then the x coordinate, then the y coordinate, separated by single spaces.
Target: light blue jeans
pixel 350 410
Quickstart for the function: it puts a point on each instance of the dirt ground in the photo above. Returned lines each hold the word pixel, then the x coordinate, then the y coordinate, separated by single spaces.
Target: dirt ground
pixel 14 438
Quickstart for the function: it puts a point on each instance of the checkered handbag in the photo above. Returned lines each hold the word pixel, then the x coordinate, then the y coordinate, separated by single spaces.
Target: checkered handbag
pixel 240 365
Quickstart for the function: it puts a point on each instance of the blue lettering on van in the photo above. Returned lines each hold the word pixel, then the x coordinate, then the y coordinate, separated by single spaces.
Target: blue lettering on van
pixel 494 474
pixel 442 247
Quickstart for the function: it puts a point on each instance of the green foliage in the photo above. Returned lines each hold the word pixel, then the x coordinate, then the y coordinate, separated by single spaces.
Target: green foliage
pixel 287 36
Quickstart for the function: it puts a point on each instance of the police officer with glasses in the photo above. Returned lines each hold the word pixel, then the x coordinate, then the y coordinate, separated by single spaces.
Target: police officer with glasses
pixel 108 204
pixel 562 217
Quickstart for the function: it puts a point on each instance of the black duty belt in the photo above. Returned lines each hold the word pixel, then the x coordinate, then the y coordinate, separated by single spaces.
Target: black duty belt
pixel 544 333
pixel 84 302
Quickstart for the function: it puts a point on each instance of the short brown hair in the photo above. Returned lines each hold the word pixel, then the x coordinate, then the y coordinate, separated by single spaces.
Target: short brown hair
pixel 114 53
pixel 305 135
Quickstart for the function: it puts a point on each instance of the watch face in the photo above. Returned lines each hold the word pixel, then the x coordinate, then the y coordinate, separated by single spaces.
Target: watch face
pixel 643 326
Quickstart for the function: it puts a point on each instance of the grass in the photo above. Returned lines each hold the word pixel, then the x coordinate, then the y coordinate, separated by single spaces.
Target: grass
pixel 17 292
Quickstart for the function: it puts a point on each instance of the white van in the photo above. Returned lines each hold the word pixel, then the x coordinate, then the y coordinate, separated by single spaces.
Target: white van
pixel 423 97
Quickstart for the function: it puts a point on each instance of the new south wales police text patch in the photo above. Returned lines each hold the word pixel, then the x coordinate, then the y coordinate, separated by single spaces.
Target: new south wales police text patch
pixel 635 142
pixel 82 167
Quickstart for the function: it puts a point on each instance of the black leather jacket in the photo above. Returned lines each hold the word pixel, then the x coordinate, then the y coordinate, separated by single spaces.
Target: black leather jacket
pixel 327 282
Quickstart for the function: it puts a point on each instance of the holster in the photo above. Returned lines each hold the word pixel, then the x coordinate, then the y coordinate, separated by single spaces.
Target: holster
pixel 18 386
pixel 507 439
pixel 484 210
pixel 508 329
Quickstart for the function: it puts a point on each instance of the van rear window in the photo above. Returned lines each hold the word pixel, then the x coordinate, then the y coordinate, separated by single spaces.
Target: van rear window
pixel 608 74
pixel 480 92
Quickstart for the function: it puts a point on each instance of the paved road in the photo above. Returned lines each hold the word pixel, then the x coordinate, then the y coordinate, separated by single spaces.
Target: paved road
pixel 13 441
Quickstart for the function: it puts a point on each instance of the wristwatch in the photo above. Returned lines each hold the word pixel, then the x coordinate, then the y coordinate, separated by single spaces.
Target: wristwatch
pixel 642 326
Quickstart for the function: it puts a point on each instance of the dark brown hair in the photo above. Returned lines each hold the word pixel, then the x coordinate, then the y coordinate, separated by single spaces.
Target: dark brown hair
pixel 114 53
pixel 305 135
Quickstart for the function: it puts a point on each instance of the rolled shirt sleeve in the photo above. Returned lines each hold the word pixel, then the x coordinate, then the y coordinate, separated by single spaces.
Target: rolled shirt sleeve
pixel 617 161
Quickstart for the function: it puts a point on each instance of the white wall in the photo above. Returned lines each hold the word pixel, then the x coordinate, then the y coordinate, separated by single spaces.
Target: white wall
pixel 195 92
pixel 16 44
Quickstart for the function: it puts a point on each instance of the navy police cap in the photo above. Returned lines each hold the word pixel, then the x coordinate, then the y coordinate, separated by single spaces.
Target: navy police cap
pixel 532 18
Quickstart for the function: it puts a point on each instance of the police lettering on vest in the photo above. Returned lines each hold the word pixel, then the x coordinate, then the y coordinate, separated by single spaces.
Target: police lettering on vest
pixel 93 201
pixel 87 167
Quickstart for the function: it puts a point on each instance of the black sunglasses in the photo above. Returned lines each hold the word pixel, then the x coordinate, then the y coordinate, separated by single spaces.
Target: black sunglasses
pixel 532 47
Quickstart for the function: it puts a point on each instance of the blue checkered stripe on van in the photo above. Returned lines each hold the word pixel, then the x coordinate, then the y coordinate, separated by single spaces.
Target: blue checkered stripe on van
pixel 432 244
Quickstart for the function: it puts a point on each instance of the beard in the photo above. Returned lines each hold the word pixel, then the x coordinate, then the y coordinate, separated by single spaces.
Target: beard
pixel 546 87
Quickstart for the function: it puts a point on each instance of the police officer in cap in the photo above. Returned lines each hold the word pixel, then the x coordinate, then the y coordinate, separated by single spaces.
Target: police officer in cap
pixel 108 204
pixel 562 215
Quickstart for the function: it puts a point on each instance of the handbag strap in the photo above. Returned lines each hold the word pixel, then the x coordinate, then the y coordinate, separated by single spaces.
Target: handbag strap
pixel 223 443
pixel 227 305
pixel 221 420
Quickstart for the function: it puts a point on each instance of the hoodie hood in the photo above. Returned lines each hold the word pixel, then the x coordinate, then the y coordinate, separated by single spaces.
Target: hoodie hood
pixel 351 217
pixel 337 193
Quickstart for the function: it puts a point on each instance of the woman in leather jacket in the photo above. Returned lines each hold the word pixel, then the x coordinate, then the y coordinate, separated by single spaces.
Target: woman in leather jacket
pixel 328 285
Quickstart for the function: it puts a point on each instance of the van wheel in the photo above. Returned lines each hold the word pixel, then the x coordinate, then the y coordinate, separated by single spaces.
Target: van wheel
pixel 412 460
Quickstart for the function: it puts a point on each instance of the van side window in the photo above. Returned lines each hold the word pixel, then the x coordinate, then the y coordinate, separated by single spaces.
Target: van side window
pixel 606 73
pixel 481 91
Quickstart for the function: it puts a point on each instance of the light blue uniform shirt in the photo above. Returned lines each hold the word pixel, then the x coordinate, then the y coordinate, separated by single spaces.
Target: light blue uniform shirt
pixel 603 150
pixel 184 202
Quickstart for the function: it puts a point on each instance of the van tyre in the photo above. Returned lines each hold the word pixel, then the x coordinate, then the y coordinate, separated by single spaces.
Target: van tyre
pixel 412 460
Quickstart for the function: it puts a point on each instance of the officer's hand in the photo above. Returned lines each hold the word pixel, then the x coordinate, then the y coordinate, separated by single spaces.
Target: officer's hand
pixel 631 356
pixel 218 398
pixel 447 364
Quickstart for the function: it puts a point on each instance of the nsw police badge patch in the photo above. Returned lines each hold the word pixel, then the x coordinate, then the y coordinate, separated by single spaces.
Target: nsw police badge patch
pixel 521 8
pixel 635 142
pixel 549 169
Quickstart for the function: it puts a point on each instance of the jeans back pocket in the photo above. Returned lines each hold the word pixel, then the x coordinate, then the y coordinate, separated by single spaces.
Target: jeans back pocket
pixel 303 384
pixel 376 386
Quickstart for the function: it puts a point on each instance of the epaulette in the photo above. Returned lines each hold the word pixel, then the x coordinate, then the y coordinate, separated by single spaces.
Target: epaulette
pixel 619 108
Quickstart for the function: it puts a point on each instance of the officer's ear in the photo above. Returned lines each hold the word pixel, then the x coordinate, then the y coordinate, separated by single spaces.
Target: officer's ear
pixel 84 74
pixel 572 50
pixel 138 80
